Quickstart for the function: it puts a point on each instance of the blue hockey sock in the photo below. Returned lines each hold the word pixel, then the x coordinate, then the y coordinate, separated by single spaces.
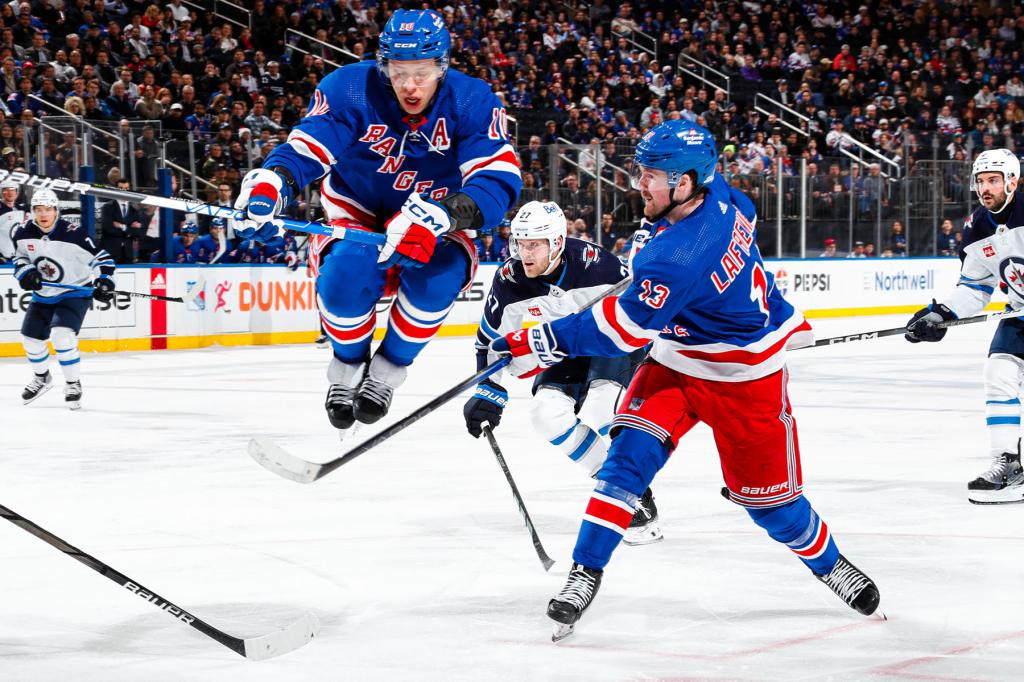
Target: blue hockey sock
pixel 799 527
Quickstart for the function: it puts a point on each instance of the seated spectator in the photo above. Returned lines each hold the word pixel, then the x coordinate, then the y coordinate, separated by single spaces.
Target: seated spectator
pixel 948 240
pixel 487 250
pixel 830 249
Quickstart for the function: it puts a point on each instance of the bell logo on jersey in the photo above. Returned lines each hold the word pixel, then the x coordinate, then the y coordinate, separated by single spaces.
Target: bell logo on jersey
pixel 988 250
pixel 535 311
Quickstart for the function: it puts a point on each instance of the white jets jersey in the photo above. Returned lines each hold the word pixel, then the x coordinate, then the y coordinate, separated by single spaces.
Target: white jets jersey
pixel 9 220
pixel 66 254
pixel 993 256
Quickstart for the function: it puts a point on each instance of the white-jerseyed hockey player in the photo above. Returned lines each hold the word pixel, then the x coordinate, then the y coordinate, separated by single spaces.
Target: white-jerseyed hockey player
pixel 548 277
pixel 49 249
pixel 991 254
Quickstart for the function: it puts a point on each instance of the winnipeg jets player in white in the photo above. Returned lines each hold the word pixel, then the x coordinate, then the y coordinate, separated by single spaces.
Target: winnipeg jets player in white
pixel 49 249
pixel 992 254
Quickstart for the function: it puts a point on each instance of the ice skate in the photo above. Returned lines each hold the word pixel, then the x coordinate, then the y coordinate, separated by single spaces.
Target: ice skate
pixel 341 395
pixel 378 387
pixel 322 341
pixel 73 395
pixel 1003 483
pixel 40 384
pixel 644 528
pixel 569 604
pixel 852 586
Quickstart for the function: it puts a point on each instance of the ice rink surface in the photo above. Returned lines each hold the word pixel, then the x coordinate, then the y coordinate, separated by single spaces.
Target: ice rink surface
pixel 416 561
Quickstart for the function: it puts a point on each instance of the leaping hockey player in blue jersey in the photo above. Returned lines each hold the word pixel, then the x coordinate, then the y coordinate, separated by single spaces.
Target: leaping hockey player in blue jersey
pixel 406 147
pixel 719 329
pixel 50 249
pixel 991 254
pixel 550 276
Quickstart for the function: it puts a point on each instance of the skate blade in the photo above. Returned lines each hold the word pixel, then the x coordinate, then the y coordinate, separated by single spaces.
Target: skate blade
pixel 647 535
pixel 879 614
pixel 74 405
pixel 37 395
pixel 345 434
pixel 560 631
pixel 1012 495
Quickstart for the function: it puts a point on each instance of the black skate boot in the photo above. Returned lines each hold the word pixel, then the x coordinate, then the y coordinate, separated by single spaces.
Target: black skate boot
pixel 341 394
pixel 569 604
pixel 322 341
pixel 644 528
pixel 73 395
pixel 1003 483
pixel 851 585
pixel 40 384
pixel 377 389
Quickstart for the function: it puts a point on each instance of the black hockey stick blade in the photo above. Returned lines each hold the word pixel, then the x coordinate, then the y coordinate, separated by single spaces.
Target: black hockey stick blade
pixel 260 648
pixel 286 465
pixel 547 561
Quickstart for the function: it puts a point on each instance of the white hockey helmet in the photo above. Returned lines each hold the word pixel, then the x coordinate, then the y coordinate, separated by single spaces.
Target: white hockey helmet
pixel 9 184
pixel 996 161
pixel 45 197
pixel 540 220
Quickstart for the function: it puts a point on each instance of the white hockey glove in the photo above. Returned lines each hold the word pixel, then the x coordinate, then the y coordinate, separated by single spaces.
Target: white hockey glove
pixel 263 195
pixel 533 350
pixel 412 233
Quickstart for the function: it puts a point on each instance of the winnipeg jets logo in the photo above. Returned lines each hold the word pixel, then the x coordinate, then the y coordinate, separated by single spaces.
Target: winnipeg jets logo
pixel 1011 271
pixel 590 256
pixel 506 272
pixel 49 269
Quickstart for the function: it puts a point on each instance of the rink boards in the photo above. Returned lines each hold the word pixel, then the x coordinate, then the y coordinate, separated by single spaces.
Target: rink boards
pixel 266 304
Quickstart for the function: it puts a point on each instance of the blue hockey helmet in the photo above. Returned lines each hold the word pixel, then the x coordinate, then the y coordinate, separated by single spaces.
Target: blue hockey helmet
pixel 411 35
pixel 676 147
pixel 190 228
pixel 218 222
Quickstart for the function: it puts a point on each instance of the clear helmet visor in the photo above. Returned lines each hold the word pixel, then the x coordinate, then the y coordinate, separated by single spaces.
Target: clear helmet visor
pixel 651 179
pixel 418 74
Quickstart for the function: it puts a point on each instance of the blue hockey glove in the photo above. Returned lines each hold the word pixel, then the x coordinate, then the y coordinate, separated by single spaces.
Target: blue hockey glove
pixel 412 233
pixel 924 325
pixel 103 289
pixel 488 402
pixel 533 350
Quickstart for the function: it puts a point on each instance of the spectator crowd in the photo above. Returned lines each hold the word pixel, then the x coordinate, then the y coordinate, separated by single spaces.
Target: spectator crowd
pixel 899 81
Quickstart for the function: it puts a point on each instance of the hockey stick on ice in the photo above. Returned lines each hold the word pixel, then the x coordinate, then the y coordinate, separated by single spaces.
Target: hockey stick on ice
pixel 260 648
pixel 271 456
pixel 864 336
pixel 136 294
pixel 547 561
pixel 187 206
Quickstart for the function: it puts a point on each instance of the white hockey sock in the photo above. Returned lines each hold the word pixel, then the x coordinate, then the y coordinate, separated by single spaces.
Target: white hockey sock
pixel 65 342
pixel 1002 401
pixel 598 409
pixel 554 418
pixel 38 354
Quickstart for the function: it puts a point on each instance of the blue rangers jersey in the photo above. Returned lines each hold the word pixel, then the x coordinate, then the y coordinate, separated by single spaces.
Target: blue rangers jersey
pixel 701 293
pixel 66 255
pixel 372 156
pixel 992 255
pixel 585 272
